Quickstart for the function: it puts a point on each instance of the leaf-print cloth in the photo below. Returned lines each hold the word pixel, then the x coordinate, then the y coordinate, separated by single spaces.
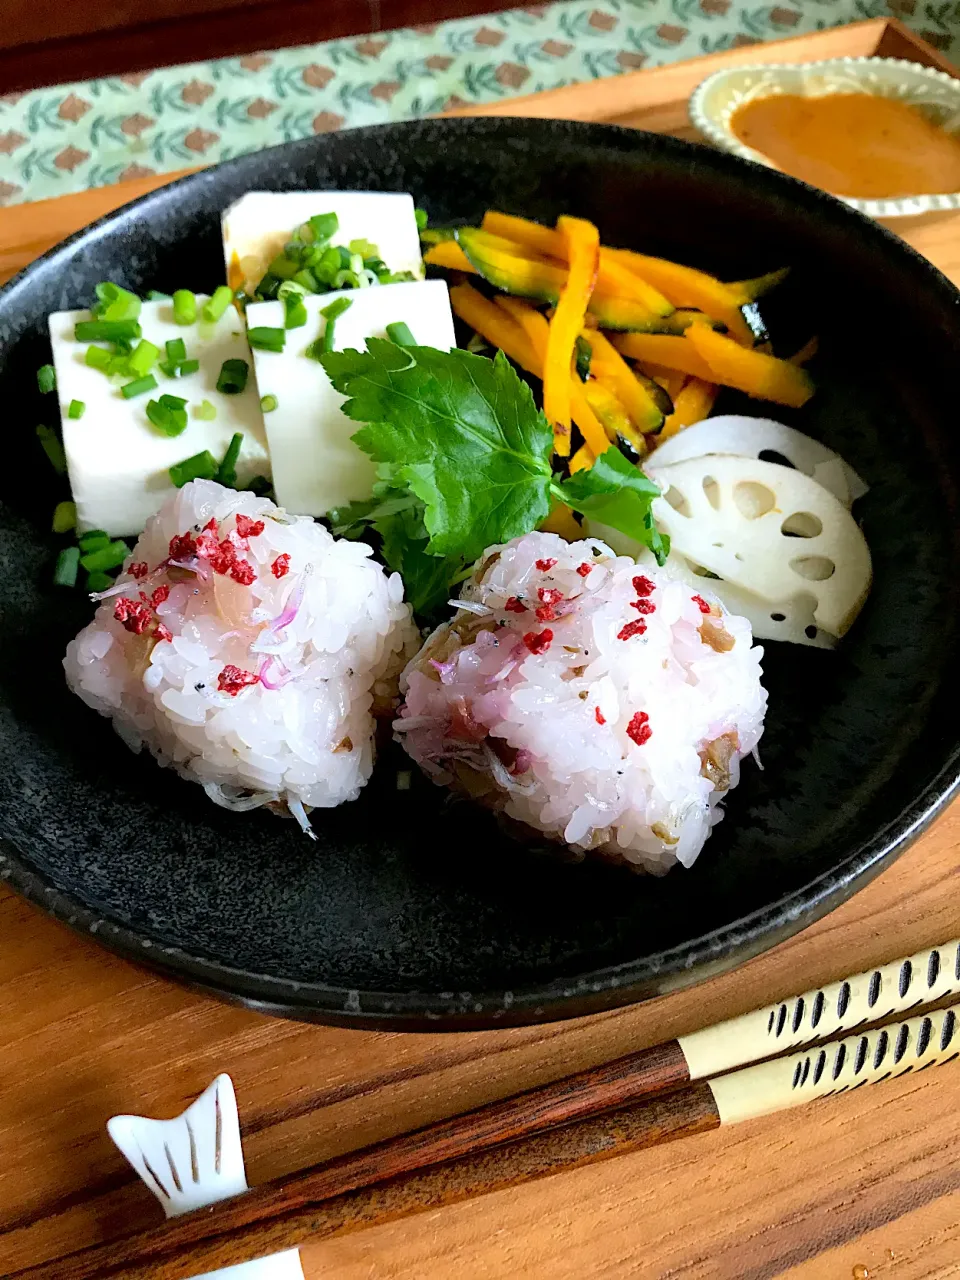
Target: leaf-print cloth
pixel 57 140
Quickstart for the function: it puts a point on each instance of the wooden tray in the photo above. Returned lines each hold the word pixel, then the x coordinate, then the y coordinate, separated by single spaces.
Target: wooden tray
pixel 866 1185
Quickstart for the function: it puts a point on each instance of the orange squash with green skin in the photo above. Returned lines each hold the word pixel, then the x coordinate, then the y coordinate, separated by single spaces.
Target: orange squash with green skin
pixel 754 372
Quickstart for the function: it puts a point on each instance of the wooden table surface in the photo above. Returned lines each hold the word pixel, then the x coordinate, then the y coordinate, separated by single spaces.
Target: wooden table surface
pixel 864 1186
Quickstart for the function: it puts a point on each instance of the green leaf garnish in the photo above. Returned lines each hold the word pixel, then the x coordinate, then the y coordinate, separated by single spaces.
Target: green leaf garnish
pixel 616 493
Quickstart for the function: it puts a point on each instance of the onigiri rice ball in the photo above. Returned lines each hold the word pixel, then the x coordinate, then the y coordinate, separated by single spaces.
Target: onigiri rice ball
pixel 249 650
pixel 602 703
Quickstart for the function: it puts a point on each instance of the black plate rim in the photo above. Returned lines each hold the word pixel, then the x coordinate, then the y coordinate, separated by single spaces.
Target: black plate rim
pixel 685 965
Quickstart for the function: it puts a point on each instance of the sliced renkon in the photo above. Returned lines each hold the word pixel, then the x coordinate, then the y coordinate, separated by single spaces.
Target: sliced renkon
pixel 769 530
pixel 748 437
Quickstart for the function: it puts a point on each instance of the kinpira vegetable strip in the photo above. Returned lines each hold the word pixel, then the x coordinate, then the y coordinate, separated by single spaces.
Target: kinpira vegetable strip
pixel 537 330
pixel 493 323
pixel 691 404
pixel 448 254
pixel 671 380
pixel 757 374
pixel 608 363
pixel 613 416
pixel 581 461
pixel 687 287
pixel 583 251
pixel 678 354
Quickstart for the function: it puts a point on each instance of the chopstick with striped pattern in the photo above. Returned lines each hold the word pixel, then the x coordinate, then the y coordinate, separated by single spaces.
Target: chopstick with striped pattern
pixel 594 1115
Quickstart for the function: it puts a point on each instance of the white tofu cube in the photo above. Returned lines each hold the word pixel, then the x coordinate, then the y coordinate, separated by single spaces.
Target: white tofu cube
pixel 256 228
pixel 117 460
pixel 316 465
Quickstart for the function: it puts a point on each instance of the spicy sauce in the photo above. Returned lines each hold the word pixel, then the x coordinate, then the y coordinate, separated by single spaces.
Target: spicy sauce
pixel 853 144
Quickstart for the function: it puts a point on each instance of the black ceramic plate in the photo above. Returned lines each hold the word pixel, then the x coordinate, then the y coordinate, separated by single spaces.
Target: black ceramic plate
pixel 412 912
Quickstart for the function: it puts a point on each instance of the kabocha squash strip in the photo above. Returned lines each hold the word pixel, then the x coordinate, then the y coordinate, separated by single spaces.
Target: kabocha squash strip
pixel 580 461
pixel 527 276
pixel 687 287
pixel 634 397
pixel 692 404
pixel 583 245
pixel 759 375
pixel 613 416
pixel 448 254
pixel 678 354
pixel 493 323
pixel 612 278
pixel 537 330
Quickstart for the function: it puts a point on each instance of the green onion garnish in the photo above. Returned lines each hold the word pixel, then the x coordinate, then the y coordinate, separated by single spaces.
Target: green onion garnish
pixel 308 280
pixel 422 219
pixel 268 404
pixel 176 350
pixel 283 267
pixel 187 367
pixel 202 466
pixel 47 378
pixel 365 248
pixel 141 360
pixel 171 419
pixel 156 296
pixel 323 226
pixel 215 306
pixel 233 377
pixel 52 447
pixel 99 581
pixel 295 313
pixel 65 573
pixel 93 540
pixel 205 411
pixel 98 358
pixel 330 314
pixel 139 387
pixel 64 517
pixel 106 330
pixel 263 338
pixel 111 556
pixel 184 306
pixel 77 408
pixel 115 303
pixel 227 471
pixel 399 333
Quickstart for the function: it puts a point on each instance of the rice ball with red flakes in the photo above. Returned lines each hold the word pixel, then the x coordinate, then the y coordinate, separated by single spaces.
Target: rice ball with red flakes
pixel 249 650
pixel 600 702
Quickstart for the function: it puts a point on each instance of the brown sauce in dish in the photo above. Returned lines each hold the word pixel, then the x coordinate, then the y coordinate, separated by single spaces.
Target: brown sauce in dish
pixel 853 144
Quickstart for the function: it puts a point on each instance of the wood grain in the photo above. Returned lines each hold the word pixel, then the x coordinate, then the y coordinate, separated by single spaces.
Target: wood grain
pixel 844 1183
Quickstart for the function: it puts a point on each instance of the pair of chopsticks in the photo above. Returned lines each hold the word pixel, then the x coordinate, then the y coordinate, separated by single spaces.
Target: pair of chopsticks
pixel 720 1075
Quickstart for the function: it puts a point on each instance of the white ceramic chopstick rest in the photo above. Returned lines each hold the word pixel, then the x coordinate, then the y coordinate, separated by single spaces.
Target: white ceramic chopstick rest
pixel 193 1160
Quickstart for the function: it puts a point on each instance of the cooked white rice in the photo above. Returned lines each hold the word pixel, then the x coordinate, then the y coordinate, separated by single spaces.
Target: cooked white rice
pixel 264 692
pixel 591 698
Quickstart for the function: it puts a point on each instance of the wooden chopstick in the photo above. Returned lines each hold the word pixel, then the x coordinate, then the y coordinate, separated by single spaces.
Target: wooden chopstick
pixel 597 1114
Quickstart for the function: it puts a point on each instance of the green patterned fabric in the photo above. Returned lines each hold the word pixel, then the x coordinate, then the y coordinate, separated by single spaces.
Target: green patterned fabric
pixel 53 141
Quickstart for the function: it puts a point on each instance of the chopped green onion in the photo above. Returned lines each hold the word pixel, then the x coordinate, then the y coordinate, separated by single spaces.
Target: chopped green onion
pixel 111 556
pixel 263 338
pixel 94 540
pixel 65 573
pixel 259 485
pixel 115 303
pixel 330 314
pixel 47 378
pixel 214 307
pixel 268 286
pixel 141 360
pixel 323 226
pixel 184 306
pixel 202 466
pixel 399 333
pixel 188 367
pixel 308 280
pixel 139 387
pixel 422 219
pixel 346 280
pixel 99 581
pixel 205 411
pixel 52 447
pixel 295 313
pixel 176 350
pixel 268 404
pixel 283 267
pixel 77 408
pixel 227 471
pixel 118 364
pixel 156 296
pixel 336 308
pixel 233 377
pixel 106 330
pixel 64 517
pixel 98 358
pixel 169 368
pixel 364 248
pixel 168 415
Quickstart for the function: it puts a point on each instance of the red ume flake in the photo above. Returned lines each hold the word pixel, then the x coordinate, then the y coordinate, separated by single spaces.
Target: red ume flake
pixel 550 597
pixel 515 605
pixel 635 628
pixel 281 566
pixel 584 569
pixel 182 546
pixel 639 728
pixel 643 586
pixel 139 570
pixel 545 565
pixel 248 528
pixel 701 604
pixel 161 594
pixel 538 643
pixel 243 572
pixel 599 716
pixel 163 633
pixel 133 615
pixel 232 680
pixel 643 606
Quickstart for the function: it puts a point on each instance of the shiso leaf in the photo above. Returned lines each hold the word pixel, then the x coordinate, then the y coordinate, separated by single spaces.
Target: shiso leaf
pixel 616 493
